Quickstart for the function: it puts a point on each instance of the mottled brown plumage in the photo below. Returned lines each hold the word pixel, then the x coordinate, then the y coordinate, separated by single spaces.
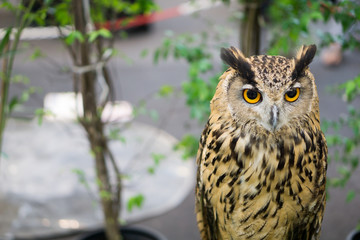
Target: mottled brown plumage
pixel 262 165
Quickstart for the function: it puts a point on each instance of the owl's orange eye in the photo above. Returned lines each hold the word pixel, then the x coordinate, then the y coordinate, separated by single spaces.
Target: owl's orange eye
pixel 251 96
pixel 292 95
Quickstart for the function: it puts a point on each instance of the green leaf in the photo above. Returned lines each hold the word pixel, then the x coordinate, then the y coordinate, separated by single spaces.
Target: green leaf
pixel 123 35
pixel 333 140
pixel 166 90
pixel 354 162
pixel 80 174
pixel 13 103
pixel 40 113
pixel 140 109
pixel 105 33
pixel 156 56
pixel 350 196
pixel 8 5
pixel 62 13
pixel 189 145
pixel 344 172
pixel 74 35
pixel 36 54
pixel 105 195
pixel 5 40
pixel 349 145
pixel 93 36
pixel 20 79
pixel 357 12
pixel 315 15
pixel 99 33
pixel 205 65
pixel 154 115
pixel 122 139
pixel 325 125
pixel 92 154
pixel 81 177
pixel 157 158
pixel 135 201
pixel 326 39
pixel 3 155
pixel 25 96
pixel 125 57
pixel 114 134
pixel 335 182
pixel 144 53
pixel 151 170
pixel 350 88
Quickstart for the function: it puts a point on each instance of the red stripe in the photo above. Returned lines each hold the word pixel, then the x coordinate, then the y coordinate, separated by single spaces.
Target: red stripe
pixel 125 23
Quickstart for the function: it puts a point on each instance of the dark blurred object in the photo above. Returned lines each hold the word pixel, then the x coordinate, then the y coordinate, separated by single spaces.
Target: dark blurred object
pixel 129 233
pixel 141 18
pixel 128 20
pixel 40 4
pixel 354 235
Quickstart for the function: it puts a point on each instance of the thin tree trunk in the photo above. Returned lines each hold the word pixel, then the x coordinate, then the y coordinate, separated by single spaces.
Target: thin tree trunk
pixel 8 62
pixel 91 120
pixel 5 81
pixel 250 28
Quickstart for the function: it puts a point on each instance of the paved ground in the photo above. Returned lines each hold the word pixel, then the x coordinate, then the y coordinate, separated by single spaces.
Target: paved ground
pixel 136 81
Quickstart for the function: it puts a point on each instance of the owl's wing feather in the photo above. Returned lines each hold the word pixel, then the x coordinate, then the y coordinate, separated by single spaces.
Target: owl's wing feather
pixel 321 150
pixel 204 211
pixel 312 229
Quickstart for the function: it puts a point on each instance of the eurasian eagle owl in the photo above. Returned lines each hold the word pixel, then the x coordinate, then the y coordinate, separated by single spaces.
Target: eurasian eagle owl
pixel 262 156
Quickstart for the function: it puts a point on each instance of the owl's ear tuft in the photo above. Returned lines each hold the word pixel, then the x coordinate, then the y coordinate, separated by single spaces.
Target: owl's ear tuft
pixel 236 59
pixel 303 58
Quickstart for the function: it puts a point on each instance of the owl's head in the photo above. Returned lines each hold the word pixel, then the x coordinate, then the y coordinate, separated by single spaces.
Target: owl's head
pixel 270 90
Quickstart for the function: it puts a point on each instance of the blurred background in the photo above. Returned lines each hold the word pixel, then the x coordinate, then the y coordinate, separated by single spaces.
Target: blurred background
pixel 157 65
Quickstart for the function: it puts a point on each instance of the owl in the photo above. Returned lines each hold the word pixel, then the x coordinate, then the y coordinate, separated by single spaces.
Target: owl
pixel 262 158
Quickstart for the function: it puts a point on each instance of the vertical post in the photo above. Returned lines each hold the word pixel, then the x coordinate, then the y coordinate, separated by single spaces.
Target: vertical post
pixel 250 28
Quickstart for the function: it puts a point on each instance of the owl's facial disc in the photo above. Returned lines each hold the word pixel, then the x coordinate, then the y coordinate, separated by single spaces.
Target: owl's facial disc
pixel 278 107
pixel 271 91
pixel 268 110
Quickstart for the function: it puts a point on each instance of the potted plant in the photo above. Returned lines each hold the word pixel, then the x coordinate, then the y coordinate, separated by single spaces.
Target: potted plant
pixel 90 49
pixel 85 43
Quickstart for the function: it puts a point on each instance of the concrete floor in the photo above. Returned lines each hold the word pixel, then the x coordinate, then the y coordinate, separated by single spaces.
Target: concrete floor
pixel 142 78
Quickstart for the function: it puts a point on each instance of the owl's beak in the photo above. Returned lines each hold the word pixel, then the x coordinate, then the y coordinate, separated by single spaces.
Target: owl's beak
pixel 274 115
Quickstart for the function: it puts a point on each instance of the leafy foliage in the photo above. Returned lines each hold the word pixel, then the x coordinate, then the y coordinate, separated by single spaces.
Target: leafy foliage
pixel 196 50
pixel 40 113
pixel 81 177
pixel 142 109
pixel 189 145
pixel 73 36
pixel 290 21
pixel 157 158
pixel 8 50
pixel 345 147
pixel 135 201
